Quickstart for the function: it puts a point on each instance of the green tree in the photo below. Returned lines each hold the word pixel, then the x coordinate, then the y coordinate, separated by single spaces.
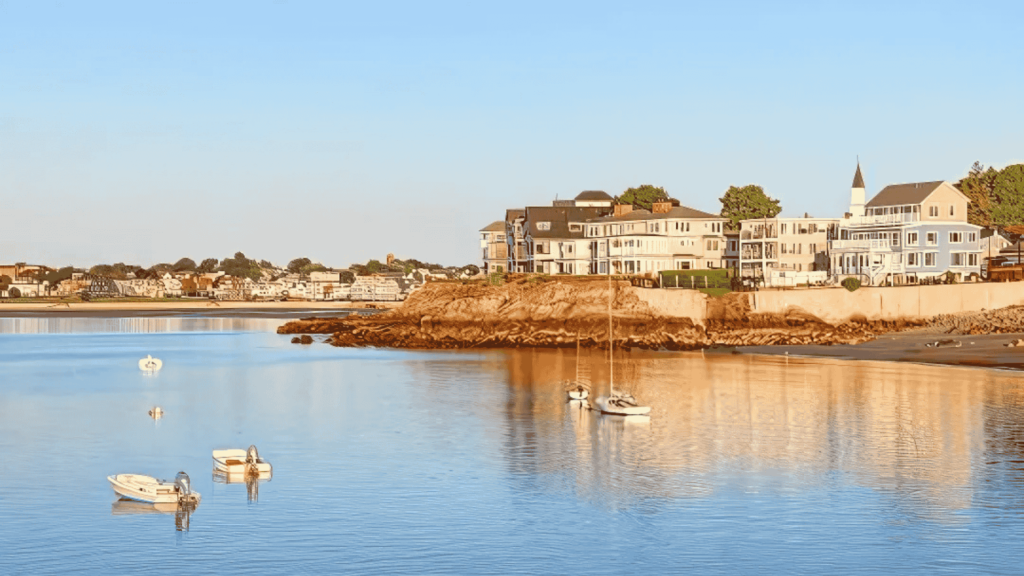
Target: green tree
pixel 295 266
pixel 374 266
pixel 1008 196
pixel 747 202
pixel 207 266
pixel 185 265
pixel 310 268
pixel 347 277
pixel 979 186
pixel 241 267
pixel 642 196
pixel 5 281
pixel 266 264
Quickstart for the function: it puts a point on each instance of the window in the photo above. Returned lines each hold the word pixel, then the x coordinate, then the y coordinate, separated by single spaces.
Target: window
pixel 543 225
pixel 895 238
pixel 799 248
pixel 911 238
pixel 783 248
pixel 933 211
pixel 956 237
pixel 501 237
pixel 932 238
pixel 972 237
pixel 782 228
pixel 972 259
pixel 813 228
pixel 958 259
pixel 913 258
pixel 575 227
pixel 814 249
pixel 952 209
pixel 929 259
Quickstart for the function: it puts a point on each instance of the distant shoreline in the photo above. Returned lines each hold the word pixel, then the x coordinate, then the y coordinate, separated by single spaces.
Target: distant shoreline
pixel 226 309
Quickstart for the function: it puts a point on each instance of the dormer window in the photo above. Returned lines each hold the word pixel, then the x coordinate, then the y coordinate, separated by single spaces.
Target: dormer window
pixel 575 227
pixel 543 226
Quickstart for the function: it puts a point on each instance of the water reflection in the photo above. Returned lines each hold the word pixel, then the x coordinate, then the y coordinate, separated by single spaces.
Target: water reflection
pixel 251 481
pixel 930 435
pixel 182 512
pixel 47 325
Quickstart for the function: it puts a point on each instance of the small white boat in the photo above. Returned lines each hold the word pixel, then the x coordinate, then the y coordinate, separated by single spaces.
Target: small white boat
pixel 150 364
pixel 150 490
pixel 156 412
pixel 619 406
pixel 579 393
pixel 237 461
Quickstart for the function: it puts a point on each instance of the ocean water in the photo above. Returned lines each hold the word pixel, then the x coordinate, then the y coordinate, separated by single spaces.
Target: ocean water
pixel 472 463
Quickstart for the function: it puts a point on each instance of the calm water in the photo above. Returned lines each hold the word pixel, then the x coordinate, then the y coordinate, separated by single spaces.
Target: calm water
pixel 471 463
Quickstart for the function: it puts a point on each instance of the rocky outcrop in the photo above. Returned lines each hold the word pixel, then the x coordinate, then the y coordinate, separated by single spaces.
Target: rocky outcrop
pixel 1002 321
pixel 558 313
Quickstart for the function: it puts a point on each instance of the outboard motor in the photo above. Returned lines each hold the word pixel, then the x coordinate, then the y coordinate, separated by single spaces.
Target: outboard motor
pixel 184 485
pixel 252 458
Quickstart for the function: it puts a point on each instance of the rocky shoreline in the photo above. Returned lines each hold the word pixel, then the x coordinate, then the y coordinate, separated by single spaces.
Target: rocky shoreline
pixel 558 314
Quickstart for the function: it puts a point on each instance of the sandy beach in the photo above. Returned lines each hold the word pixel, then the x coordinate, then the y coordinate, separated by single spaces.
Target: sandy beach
pixel 984 350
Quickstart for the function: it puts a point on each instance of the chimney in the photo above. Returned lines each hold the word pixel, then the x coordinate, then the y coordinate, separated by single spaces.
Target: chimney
pixel 661 207
pixel 623 209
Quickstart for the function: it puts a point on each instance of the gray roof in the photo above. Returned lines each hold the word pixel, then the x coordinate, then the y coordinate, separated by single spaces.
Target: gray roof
pixel 676 212
pixel 594 196
pixel 496 226
pixel 899 194
pixel 559 217
pixel 858 180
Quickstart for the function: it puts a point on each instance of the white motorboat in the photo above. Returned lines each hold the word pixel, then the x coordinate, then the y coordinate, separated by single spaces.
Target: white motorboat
pixel 150 364
pixel 156 413
pixel 579 393
pixel 237 461
pixel 153 491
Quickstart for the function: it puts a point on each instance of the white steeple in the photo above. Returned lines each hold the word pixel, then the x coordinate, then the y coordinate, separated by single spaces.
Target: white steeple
pixel 857 193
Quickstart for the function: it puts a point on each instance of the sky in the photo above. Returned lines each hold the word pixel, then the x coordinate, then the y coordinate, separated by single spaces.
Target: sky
pixel 143 132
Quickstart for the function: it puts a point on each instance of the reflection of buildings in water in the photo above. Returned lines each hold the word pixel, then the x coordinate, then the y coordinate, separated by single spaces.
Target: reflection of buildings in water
pixel 182 513
pixel 140 325
pixel 909 429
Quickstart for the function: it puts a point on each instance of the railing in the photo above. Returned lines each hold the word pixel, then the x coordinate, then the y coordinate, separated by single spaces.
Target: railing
pixel 877 244
pixel 875 220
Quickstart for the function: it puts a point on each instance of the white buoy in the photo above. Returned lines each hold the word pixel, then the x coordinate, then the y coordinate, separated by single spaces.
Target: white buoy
pixel 156 412
pixel 150 364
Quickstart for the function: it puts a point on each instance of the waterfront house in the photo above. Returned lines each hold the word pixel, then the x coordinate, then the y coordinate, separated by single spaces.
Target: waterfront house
pixel 771 249
pixel 555 238
pixel 906 233
pixel 325 285
pixel 667 237
pixel 494 247
pixel 731 256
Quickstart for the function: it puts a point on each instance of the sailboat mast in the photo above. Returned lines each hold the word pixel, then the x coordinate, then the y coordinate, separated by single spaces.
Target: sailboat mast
pixel 611 340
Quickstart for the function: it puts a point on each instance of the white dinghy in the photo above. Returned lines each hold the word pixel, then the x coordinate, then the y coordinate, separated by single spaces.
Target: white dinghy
pixel 578 390
pixel 150 490
pixel 150 364
pixel 236 461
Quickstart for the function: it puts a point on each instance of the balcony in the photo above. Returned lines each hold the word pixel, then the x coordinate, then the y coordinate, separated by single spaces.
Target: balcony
pixel 882 220
pixel 878 244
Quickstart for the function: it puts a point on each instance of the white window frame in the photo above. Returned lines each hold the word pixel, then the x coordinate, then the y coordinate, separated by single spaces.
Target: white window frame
pixel 972 237
pixel 956 237
pixel 954 256
pixel 914 259
pixel 972 259
pixel 935 259
pixel 933 211
pixel 913 238
pixel 928 238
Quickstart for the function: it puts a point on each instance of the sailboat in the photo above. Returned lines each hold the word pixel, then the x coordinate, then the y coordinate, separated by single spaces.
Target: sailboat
pixel 617 403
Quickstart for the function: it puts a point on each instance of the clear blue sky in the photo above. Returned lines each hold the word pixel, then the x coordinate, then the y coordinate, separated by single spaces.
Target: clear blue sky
pixel 146 131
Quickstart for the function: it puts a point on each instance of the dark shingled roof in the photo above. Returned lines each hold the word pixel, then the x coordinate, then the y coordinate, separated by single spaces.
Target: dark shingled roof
pixel 496 226
pixel 559 217
pixel 898 194
pixel 641 214
pixel 512 213
pixel 858 180
pixel 594 196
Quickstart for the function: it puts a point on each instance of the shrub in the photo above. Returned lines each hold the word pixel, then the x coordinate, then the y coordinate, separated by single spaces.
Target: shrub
pixel 851 284
pixel 496 279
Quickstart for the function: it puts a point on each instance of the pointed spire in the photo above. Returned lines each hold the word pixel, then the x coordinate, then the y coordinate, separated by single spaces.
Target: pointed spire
pixel 858 180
